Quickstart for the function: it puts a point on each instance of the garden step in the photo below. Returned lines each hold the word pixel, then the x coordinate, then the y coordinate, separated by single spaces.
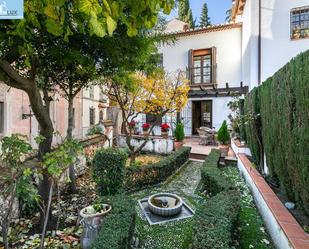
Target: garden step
pixel 197 156
pixel 230 160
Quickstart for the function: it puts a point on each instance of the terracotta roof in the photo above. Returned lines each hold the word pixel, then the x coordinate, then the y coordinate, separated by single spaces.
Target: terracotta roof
pixel 209 29
pixel 238 8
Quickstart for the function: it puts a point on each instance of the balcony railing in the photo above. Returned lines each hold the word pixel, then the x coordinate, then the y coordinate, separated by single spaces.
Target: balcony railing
pixel 205 77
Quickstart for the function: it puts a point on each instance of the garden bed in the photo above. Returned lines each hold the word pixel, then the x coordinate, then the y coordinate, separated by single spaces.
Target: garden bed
pixel 179 234
pixel 145 159
pixel 151 174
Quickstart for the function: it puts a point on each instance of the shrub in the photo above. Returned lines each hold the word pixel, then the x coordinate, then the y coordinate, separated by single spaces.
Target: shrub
pixel 138 177
pixel 284 127
pixel 93 130
pixel 179 132
pixel 242 127
pixel 117 229
pixel 215 220
pixel 223 133
pixel 253 126
pixel 108 170
pixel 212 179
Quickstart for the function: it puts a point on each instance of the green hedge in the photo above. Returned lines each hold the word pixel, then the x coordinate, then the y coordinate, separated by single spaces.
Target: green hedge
pixel 212 179
pixel 284 109
pixel 108 170
pixel 139 177
pixel 253 126
pixel 117 229
pixel 214 221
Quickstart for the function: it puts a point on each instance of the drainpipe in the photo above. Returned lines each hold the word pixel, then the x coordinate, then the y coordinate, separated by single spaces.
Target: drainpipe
pixel 260 44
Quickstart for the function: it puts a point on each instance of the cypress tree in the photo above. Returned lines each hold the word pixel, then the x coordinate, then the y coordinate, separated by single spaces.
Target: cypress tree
pixel 185 13
pixel 205 19
pixel 190 20
pixel 183 10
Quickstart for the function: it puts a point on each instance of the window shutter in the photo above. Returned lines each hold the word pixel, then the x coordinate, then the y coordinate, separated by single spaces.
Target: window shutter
pixel 214 65
pixel 190 66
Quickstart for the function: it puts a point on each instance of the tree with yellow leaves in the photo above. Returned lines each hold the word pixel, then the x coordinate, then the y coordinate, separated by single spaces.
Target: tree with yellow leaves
pixel 158 94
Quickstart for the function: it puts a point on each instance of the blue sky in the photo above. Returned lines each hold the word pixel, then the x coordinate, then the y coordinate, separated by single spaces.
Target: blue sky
pixel 216 9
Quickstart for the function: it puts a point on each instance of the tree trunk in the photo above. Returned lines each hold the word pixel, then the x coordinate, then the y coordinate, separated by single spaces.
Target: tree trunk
pixel 42 114
pixel 133 158
pixel 7 219
pixel 72 187
pixel 47 215
pixel 41 111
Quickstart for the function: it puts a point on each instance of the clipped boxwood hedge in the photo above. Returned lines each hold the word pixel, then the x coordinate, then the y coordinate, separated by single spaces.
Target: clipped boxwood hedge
pixel 117 229
pixel 108 170
pixel 283 105
pixel 139 177
pixel 214 221
pixel 212 179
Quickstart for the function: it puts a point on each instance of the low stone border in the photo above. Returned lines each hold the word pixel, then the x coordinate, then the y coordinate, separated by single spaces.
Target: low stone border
pixel 282 226
pixel 239 148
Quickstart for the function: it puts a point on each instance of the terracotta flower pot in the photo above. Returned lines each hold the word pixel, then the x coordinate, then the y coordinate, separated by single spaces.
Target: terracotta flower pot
pixel 178 144
pixel 224 150
pixel 164 134
pixel 146 133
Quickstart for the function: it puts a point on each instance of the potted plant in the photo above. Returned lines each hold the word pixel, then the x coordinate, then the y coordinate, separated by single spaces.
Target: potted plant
pixel 179 135
pixel 164 130
pixel 146 129
pixel 132 124
pixel 92 216
pixel 223 137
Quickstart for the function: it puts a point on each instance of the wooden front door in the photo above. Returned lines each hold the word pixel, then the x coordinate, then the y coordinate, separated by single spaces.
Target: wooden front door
pixel 201 114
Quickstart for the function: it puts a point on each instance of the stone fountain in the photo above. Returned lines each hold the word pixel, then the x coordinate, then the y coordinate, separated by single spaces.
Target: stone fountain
pixel 165 204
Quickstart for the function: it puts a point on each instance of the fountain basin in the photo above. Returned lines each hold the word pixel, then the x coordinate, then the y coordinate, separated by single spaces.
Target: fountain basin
pixel 165 204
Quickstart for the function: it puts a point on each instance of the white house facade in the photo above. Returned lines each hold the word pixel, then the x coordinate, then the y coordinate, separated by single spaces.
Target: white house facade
pixel 226 60
pixel 212 58
pixel 274 31
pixel 94 107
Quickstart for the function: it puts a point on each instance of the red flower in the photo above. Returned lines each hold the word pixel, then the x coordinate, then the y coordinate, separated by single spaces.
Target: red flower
pixel 132 124
pixel 164 127
pixel 145 127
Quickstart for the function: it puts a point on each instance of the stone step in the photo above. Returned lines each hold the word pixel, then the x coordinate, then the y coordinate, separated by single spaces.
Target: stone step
pixel 197 156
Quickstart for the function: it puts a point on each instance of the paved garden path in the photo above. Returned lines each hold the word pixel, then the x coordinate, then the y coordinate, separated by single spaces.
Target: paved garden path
pixel 176 235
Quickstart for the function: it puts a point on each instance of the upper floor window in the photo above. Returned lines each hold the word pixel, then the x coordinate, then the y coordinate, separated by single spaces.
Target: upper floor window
pixel 202 66
pixel 91 116
pixel 300 23
pixel 91 92
pixel 1 117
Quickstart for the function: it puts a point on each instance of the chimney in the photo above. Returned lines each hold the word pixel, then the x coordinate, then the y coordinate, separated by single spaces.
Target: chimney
pixel 185 27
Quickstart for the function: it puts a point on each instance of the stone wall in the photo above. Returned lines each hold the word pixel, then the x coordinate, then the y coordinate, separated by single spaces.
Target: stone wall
pixel 90 145
pixel 156 144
